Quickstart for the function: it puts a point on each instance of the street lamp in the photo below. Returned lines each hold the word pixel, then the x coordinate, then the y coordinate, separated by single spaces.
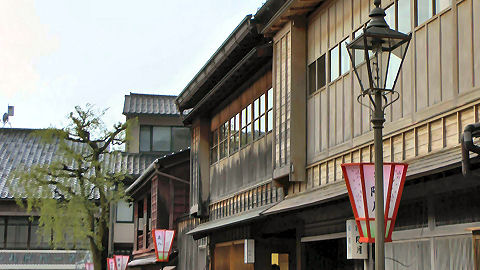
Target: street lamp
pixel 383 50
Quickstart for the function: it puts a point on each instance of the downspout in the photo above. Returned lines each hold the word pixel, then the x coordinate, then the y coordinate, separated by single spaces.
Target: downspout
pixel 470 132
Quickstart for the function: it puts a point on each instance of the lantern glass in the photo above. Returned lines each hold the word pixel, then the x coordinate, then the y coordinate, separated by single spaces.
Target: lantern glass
pixel 384 50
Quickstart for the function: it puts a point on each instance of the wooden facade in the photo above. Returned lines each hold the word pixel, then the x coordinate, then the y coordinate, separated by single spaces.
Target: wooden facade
pixel 318 125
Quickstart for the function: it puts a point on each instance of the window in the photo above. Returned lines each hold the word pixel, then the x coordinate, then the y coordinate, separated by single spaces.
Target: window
pixel 17 232
pixel 403 13
pixel 38 239
pixel 223 142
pixel 270 110
pixel 312 79
pixel 163 138
pixel 253 122
pixel 359 55
pixel 321 72
pixel 344 58
pixel 246 133
pixel 316 75
pixel 181 138
pixel 124 212
pixel 427 8
pixel 234 133
pixel 214 146
pixel 334 64
pixel 390 16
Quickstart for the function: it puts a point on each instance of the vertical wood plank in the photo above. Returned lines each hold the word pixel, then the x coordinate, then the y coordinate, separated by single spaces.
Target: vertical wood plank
pixel 347 15
pixel 324 119
pixel 465 50
pixel 311 127
pixel 317 123
pixel 434 78
pixel 323 173
pixel 421 85
pixel 356 13
pixel 317 33
pixel 311 42
pixel 347 110
pixel 332 38
pixel 339 107
pixel 339 21
pixel 331 120
pixel 436 140
pixel 324 32
pixel 407 83
pixel 476 42
pixel 447 55
pixel 316 176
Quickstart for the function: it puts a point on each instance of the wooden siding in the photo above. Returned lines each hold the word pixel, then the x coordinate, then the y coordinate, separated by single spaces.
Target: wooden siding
pixel 281 82
pixel 244 200
pixel 433 136
pixel 441 72
pixel 249 166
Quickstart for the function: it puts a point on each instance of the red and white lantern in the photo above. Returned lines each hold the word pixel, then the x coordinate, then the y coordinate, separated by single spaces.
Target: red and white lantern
pixel 163 240
pixel 121 261
pixel 88 266
pixel 111 264
pixel 360 180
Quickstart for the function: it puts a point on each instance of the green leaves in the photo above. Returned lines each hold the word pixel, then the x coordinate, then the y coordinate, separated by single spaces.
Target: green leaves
pixel 73 193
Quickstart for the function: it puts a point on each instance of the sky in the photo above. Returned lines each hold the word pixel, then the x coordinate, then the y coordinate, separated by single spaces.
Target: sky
pixel 56 54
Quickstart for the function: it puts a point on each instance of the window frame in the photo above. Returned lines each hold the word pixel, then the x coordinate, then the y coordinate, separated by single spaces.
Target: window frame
pixel 242 121
pixel 434 11
pixel 116 213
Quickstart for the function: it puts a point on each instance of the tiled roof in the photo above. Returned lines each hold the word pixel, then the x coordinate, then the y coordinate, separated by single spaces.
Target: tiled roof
pixel 150 104
pixel 19 148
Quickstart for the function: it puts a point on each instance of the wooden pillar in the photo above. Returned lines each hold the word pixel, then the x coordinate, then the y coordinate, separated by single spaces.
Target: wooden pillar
pixel 171 202
pixel 154 201
pixel 135 226
pixel 145 222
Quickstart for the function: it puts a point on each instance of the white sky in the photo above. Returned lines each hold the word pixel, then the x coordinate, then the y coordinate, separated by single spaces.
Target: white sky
pixel 55 54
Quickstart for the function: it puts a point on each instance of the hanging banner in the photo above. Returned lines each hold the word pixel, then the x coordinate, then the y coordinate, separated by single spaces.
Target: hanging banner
pixel 162 240
pixel 111 264
pixel 88 266
pixel 121 262
pixel 249 251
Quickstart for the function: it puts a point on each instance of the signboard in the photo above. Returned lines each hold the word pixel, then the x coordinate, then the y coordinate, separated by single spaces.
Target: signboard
pixel 88 266
pixel 162 240
pixel 111 264
pixel 355 249
pixel 120 262
pixel 249 251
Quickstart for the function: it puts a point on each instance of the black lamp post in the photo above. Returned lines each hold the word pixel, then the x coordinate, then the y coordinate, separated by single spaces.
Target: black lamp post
pixel 383 50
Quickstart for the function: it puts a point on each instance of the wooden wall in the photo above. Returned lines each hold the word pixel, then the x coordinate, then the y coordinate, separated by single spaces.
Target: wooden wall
pixel 441 73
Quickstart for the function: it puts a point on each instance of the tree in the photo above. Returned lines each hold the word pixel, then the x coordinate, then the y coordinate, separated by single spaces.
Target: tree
pixel 73 193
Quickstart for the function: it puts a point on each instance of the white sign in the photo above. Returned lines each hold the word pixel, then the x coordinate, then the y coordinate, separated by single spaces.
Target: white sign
pixel 249 251
pixel 89 266
pixel 355 249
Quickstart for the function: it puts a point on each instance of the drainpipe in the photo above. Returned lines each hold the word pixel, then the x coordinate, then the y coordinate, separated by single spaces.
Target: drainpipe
pixel 471 131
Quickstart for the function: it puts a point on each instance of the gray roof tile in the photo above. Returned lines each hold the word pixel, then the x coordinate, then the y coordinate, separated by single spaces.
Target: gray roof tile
pixel 150 104
pixel 19 148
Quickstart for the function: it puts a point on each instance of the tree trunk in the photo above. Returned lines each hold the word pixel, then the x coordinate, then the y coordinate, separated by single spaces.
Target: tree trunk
pixel 96 256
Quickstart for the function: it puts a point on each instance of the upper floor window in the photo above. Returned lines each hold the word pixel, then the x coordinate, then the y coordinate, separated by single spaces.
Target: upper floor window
pixel 124 212
pixel 317 74
pixel 339 60
pixel 163 139
pixel 427 8
pixel 253 122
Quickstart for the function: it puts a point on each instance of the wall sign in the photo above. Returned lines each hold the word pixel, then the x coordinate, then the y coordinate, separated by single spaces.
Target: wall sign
pixel 355 249
pixel 249 251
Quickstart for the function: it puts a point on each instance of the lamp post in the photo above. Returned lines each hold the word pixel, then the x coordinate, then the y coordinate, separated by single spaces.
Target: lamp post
pixel 383 50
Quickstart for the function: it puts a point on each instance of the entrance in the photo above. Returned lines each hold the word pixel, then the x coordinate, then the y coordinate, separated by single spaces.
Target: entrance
pixel 279 261
pixel 229 256
pixel 329 255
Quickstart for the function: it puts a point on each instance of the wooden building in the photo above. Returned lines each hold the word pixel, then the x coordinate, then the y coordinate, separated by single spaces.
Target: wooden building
pixel 279 181
pixel 160 197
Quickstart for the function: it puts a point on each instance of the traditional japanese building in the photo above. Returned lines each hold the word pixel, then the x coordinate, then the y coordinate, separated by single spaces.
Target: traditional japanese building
pixel 279 182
